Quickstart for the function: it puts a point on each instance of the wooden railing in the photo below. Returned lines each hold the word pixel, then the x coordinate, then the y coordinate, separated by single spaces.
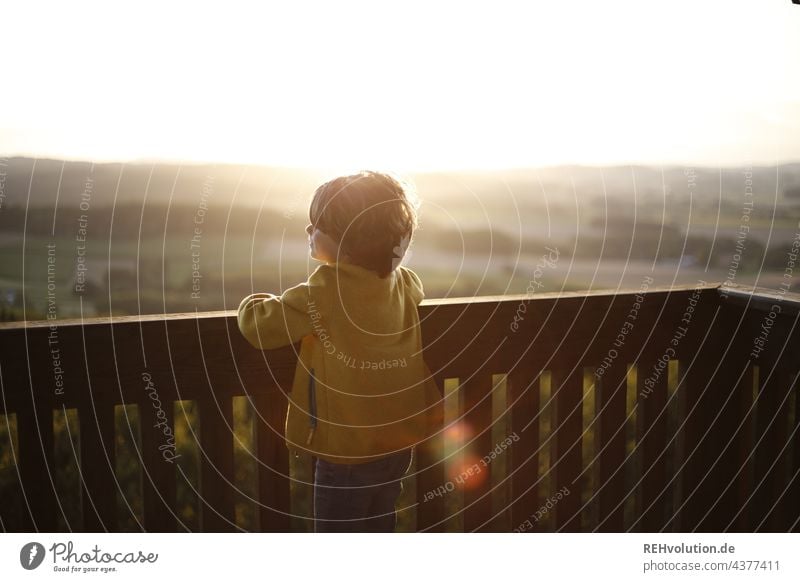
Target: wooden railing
pixel 637 410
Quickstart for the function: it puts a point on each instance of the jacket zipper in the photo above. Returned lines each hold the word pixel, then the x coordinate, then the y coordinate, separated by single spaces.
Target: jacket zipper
pixel 312 405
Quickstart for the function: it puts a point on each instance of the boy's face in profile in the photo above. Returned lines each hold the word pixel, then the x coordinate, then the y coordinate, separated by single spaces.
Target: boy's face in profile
pixel 323 247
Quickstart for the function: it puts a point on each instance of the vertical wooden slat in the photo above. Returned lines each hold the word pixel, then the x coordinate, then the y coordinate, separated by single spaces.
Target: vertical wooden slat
pixel 567 387
pixel 456 438
pixel 478 415
pixel 158 464
pixel 431 474
pixel 273 459
pixel 677 411
pixel 153 388
pixel 216 463
pixel 524 404
pixel 613 390
pixel 694 379
pixel 98 464
pixel 746 462
pixel 35 433
pixel 652 393
pixel 770 475
pixel 729 441
pixel 777 364
pixel 778 517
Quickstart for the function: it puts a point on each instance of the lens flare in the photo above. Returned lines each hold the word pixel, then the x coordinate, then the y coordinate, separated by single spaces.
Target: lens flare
pixel 456 435
pixel 468 472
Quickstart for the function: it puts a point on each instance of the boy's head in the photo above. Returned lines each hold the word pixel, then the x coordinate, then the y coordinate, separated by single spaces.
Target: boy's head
pixel 371 215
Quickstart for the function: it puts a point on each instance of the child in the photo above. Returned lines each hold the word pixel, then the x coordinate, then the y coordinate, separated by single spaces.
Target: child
pixel 362 395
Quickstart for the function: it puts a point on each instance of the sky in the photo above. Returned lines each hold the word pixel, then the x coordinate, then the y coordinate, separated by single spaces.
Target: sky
pixel 409 86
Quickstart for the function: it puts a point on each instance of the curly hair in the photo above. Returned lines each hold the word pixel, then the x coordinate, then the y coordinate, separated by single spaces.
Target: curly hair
pixel 372 215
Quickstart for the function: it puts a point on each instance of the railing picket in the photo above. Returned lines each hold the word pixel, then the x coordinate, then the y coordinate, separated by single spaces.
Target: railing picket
pixel 35 433
pixel 567 389
pixel 477 485
pixel 273 460
pixel 698 454
pixel 216 464
pixel 98 465
pixel 770 474
pixel 612 458
pixel 524 403
pixel 731 389
pixel 430 475
pixel 652 394
pixel 158 468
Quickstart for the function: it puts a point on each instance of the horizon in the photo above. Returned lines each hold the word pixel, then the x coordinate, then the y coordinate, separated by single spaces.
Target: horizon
pixel 199 163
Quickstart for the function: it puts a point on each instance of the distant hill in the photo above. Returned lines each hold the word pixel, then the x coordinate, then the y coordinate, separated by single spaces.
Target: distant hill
pixel 532 202
pixel 289 189
pixel 51 180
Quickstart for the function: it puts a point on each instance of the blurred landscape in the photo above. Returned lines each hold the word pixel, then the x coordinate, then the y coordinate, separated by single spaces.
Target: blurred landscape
pixel 96 239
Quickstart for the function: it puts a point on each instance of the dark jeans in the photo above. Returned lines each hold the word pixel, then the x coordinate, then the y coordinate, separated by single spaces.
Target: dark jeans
pixel 359 497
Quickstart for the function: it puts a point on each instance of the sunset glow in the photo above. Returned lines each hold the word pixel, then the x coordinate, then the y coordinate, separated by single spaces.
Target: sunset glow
pixel 420 86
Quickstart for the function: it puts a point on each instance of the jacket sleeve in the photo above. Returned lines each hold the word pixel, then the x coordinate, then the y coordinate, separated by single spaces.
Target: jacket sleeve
pixel 269 321
pixel 414 284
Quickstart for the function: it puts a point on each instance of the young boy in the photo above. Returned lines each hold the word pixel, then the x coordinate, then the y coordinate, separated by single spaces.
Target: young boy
pixel 362 395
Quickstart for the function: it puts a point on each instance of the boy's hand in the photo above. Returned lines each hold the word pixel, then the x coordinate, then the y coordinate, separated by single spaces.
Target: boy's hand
pixel 268 322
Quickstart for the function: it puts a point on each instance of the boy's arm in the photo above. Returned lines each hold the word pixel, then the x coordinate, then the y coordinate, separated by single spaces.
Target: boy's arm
pixel 415 284
pixel 269 321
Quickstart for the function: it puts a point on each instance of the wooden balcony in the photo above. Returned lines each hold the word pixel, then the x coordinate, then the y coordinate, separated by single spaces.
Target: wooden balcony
pixel 601 411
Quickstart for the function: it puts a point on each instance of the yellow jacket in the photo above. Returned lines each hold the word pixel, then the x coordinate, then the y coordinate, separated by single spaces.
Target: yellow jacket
pixel 361 388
